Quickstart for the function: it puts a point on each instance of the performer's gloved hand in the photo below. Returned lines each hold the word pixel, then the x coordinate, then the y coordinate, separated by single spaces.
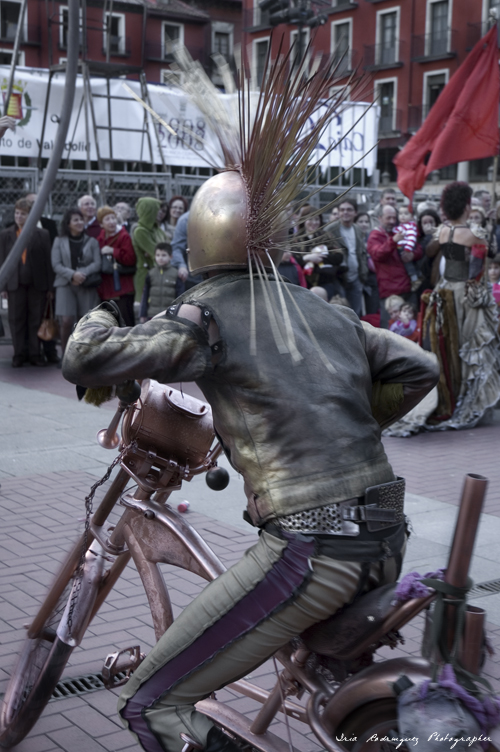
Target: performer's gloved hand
pixel 111 307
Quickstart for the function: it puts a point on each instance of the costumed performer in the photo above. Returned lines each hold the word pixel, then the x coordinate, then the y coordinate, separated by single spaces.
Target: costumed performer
pixel 254 345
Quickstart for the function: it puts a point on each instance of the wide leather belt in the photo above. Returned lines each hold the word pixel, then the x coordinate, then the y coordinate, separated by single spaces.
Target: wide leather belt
pixel 381 507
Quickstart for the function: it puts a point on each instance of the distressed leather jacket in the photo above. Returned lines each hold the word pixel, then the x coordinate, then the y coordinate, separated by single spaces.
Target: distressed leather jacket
pixel 300 436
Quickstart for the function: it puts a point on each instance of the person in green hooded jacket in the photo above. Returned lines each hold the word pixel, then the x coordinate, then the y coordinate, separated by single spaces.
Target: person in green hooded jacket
pixel 145 238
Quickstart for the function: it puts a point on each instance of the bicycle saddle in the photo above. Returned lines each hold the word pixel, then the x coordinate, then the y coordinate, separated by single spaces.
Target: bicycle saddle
pixel 338 635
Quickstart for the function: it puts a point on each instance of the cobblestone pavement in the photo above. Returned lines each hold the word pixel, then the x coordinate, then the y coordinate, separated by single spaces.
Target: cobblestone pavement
pixel 41 503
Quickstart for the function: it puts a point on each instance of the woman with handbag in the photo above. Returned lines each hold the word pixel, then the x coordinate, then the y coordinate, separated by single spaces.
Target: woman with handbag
pixel 76 260
pixel 118 264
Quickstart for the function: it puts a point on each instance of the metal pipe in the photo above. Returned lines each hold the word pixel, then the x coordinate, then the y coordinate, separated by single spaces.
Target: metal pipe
pixel 15 53
pixel 261 695
pixel 267 713
pixel 464 537
pixel 36 212
pixel 472 639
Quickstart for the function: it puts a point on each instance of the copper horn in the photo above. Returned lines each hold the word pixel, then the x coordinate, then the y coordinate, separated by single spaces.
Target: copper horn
pixel 128 393
pixel 109 438
pixel 472 640
pixel 464 537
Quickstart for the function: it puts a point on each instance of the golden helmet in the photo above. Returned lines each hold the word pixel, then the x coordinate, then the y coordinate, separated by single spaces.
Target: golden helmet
pixel 220 228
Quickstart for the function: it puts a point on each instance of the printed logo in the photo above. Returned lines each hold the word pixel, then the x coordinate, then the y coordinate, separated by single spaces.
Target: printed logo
pixel 18 109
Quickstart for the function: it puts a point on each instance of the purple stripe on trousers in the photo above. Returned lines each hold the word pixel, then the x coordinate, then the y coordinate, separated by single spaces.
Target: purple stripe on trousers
pixel 278 585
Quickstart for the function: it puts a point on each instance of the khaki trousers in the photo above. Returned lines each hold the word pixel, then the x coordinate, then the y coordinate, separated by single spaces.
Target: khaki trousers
pixel 236 623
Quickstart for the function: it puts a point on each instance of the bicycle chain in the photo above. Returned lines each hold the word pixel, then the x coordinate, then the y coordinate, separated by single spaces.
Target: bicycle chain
pixel 89 501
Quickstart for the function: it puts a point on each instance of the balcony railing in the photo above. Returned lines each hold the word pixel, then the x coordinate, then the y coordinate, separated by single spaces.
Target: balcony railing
pixel 8 33
pixel 434 46
pixel 475 32
pixel 347 63
pixel 157 51
pixel 381 56
pixel 119 47
pixel 389 123
pixel 256 18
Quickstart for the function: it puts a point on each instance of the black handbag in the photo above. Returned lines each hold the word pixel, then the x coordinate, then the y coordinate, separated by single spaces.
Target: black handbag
pixel 92 280
pixel 109 265
pixel 126 270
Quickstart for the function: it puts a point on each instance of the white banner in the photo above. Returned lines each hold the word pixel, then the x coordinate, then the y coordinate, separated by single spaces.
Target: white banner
pixel 127 140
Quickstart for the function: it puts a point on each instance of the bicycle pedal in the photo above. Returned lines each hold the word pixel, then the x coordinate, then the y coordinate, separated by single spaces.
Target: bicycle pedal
pixel 119 666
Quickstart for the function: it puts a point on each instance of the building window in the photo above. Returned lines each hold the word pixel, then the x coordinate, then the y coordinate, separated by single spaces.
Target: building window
pixel 116 28
pixel 298 48
pixel 341 38
pixel 6 58
pixel 222 44
pixel 63 28
pixel 173 37
pixel 9 17
pixel 438 36
pixel 260 17
pixel 386 93
pixel 222 38
pixel 387 52
pixel 434 85
pixel 260 56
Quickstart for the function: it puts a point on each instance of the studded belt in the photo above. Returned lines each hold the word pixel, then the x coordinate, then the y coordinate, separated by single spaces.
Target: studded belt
pixel 381 506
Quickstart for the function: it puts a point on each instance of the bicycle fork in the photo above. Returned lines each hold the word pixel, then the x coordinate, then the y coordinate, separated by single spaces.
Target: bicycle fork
pixel 83 595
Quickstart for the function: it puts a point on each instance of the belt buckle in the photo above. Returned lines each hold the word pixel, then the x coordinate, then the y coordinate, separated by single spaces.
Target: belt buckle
pixel 349 517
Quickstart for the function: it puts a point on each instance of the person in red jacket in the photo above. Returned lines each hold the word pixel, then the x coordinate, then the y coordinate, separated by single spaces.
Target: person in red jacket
pixel 392 277
pixel 118 256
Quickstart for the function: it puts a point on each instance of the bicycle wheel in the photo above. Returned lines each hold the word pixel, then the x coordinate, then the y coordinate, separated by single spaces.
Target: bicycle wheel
pixel 372 728
pixel 38 669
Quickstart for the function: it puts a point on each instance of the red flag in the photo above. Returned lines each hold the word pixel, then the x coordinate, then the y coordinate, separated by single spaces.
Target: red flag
pixel 462 124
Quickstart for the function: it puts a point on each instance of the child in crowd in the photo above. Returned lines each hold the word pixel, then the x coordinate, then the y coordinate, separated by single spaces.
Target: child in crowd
pixel 405 323
pixel 160 287
pixel 494 278
pixel 393 305
pixel 408 228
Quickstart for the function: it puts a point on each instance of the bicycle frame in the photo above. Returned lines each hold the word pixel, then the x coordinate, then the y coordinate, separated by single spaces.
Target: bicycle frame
pixel 150 533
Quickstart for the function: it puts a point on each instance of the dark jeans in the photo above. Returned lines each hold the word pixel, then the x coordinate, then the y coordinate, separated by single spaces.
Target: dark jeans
pixel 354 294
pixel 372 302
pixel 26 306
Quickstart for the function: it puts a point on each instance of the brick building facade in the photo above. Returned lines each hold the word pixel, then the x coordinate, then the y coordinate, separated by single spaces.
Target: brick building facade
pixel 142 34
pixel 408 48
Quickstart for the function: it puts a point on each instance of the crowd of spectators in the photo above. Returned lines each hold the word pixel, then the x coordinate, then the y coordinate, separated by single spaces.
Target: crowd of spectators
pixel 95 254
pixel 362 257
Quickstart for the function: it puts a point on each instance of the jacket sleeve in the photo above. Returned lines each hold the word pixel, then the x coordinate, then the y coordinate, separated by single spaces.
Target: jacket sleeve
pixel 66 272
pixel 179 242
pixel 380 246
pixel 124 251
pixel 144 245
pixel 396 360
pixel 99 353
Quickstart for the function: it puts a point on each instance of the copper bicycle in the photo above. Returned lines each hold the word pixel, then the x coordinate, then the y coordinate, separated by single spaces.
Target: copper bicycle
pixel 168 438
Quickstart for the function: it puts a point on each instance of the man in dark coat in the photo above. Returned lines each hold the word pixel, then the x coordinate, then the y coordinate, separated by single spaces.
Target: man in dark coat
pixel 28 286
